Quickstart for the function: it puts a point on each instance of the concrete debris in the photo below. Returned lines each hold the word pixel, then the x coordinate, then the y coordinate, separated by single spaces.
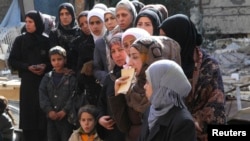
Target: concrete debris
pixel 233 56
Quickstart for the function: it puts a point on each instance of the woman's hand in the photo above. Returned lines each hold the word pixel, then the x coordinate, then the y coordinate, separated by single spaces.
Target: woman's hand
pixel 107 122
pixel 37 69
pixel 119 82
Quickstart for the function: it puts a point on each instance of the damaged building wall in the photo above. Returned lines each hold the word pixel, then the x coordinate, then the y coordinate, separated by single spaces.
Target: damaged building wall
pixel 222 16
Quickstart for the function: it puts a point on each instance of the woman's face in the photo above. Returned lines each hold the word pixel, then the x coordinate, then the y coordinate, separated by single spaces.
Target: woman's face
pixel 145 23
pixel 83 23
pixel 124 18
pixel 87 122
pixel 95 25
pixel 110 21
pixel 65 17
pixel 148 89
pixel 135 60
pixel 118 54
pixel 30 25
pixel 127 42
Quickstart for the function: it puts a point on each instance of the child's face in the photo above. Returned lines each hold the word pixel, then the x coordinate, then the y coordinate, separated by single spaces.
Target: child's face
pixel 57 61
pixel 87 122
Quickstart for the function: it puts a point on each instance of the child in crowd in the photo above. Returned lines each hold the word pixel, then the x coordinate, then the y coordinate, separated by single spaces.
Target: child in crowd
pixel 87 118
pixel 55 93
pixel 6 121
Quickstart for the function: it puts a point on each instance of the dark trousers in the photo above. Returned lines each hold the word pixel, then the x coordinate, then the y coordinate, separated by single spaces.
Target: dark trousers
pixel 34 135
pixel 59 130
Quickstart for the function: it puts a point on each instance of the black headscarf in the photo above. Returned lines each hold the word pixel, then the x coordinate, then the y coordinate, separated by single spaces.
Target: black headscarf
pixel 180 28
pixel 38 20
pixel 83 13
pixel 154 18
pixel 70 8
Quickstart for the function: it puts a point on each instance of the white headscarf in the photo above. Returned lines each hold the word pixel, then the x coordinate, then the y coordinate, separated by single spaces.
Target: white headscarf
pixel 170 86
pixel 136 32
pixel 100 14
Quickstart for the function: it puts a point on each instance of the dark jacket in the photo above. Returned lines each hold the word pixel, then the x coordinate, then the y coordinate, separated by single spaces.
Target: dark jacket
pixel 176 125
pixel 87 83
pixel 30 49
pixel 100 61
pixel 67 40
pixel 56 97
pixel 104 107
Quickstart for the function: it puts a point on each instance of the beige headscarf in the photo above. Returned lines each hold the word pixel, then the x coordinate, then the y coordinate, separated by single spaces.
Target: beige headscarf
pixel 156 48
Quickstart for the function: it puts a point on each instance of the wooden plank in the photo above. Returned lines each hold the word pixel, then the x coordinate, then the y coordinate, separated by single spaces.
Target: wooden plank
pixel 10 89
pixel 11 93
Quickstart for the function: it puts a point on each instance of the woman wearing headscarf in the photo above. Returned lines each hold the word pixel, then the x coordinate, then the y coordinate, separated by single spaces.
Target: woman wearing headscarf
pixel 103 64
pixel 29 56
pixel 107 127
pixel 125 14
pixel 148 20
pixel 160 9
pixel 85 78
pixel 206 101
pixel 130 35
pixel 167 118
pixel 66 33
pixel 143 52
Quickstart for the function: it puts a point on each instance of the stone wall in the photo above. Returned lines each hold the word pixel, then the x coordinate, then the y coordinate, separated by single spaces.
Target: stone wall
pixel 4 6
pixel 226 17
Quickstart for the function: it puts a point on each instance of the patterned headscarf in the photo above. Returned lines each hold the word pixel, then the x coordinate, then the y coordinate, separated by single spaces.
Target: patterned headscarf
pixel 163 75
pixel 155 48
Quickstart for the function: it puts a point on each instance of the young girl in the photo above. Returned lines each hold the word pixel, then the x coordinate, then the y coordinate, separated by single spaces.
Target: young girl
pixel 6 121
pixel 87 118
pixel 55 96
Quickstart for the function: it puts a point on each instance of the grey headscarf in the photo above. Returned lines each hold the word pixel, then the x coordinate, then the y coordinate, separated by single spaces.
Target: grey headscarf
pixel 170 86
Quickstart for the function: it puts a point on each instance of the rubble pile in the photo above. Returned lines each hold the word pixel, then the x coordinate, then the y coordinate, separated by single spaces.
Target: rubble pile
pixel 233 56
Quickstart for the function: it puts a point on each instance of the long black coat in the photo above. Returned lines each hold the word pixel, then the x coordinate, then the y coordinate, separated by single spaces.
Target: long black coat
pixel 104 107
pixel 30 49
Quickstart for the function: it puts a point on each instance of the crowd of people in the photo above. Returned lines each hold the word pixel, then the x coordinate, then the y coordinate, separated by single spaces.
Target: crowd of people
pixel 176 92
